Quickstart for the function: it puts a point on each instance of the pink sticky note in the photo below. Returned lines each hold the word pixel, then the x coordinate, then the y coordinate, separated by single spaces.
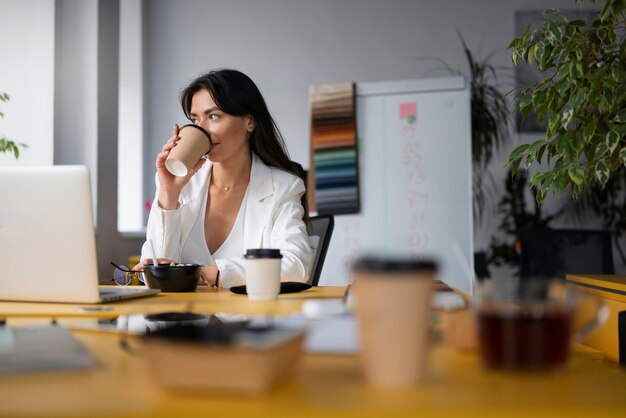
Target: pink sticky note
pixel 408 112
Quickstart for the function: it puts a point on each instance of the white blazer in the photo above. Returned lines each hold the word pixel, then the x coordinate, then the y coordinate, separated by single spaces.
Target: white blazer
pixel 273 219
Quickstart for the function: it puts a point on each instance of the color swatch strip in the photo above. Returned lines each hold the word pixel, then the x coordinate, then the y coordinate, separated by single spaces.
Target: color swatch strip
pixel 334 156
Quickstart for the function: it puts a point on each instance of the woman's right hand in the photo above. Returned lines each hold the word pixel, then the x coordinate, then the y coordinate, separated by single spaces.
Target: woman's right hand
pixel 171 185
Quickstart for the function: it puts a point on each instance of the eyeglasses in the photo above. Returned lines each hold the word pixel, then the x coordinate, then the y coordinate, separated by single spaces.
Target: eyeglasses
pixel 123 276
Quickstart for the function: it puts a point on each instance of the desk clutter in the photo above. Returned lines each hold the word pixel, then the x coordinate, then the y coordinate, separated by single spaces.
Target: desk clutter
pixel 190 352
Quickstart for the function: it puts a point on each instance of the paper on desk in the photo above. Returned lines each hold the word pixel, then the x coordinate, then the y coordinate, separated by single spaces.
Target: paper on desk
pixel 44 349
pixel 332 334
pixel 7 342
pixel 448 301
pixel 338 334
pixel 331 329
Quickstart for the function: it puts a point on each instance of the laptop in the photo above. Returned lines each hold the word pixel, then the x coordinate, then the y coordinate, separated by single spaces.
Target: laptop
pixel 47 240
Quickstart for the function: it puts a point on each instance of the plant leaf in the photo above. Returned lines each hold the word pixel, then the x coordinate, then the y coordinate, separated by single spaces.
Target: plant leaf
pixel 589 129
pixel 531 54
pixel 567 118
pixel 540 152
pixel 553 124
pixel 537 178
pixel 621 116
pixel 602 172
pixel 514 58
pixel 517 154
pixel 612 140
pixel 622 155
pixel 541 196
pixel 525 105
pixel 576 174
pixel 560 183
pixel 601 149
pixel 560 143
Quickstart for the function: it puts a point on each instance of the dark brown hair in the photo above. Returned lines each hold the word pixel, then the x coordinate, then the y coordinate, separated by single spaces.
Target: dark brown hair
pixel 236 94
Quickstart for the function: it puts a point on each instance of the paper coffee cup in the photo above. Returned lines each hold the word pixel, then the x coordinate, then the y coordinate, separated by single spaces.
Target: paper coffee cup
pixel 193 144
pixel 263 273
pixel 393 299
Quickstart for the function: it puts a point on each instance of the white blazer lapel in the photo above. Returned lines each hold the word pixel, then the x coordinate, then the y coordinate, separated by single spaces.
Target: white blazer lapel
pixel 258 209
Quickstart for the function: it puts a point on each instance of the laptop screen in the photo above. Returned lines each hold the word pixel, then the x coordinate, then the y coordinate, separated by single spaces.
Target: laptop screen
pixel 47 242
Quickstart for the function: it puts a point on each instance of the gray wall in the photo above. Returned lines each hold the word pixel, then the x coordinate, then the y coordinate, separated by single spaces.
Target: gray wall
pixel 286 45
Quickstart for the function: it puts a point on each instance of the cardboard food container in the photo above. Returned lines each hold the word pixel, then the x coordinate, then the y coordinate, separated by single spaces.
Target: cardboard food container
pixel 459 330
pixel 612 289
pixel 209 359
pixel 455 323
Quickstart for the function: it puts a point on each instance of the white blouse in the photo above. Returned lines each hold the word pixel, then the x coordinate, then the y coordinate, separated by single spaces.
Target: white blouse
pixel 233 244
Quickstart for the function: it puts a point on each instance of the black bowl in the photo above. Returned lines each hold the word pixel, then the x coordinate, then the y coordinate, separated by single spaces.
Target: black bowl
pixel 160 321
pixel 181 278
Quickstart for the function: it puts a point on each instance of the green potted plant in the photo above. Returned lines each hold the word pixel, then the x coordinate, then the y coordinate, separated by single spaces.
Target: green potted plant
pixel 515 217
pixel 490 127
pixel 582 100
pixel 5 144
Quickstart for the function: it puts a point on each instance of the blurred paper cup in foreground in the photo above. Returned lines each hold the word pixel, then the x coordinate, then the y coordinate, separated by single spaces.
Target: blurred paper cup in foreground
pixel 193 144
pixel 393 298
pixel 263 273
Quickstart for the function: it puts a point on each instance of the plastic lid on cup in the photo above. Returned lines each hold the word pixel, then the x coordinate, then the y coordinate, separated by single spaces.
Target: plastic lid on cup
pixel 377 264
pixel 263 253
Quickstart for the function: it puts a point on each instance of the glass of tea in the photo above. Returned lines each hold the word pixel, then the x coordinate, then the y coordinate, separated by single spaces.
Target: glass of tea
pixel 530 324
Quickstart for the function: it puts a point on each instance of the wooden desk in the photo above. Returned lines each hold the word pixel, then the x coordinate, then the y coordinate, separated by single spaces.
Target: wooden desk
pixel 323 386
pixel 205 300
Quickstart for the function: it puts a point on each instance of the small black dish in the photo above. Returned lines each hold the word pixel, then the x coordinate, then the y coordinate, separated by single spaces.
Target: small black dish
pixel 285 287
pixel 159 321
pixel 179 278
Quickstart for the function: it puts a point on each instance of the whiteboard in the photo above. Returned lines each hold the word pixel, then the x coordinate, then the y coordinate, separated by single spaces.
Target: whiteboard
pixel 415 180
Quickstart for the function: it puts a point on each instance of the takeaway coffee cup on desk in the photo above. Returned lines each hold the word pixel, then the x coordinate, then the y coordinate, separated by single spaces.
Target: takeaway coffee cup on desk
pixel 530 324
pixel 193 144
pixel 393 298
pixel 263 273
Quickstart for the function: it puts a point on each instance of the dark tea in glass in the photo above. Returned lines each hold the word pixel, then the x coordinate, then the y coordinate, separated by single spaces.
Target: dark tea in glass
pixel 529 324
pixel 520 339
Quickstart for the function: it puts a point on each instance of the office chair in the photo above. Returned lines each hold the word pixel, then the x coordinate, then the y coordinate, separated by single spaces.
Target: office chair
pixel 480 266
pixel 557 252
pixel 321 229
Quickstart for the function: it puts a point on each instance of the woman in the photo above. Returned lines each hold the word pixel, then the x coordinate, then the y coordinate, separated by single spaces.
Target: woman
pixel 247 195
